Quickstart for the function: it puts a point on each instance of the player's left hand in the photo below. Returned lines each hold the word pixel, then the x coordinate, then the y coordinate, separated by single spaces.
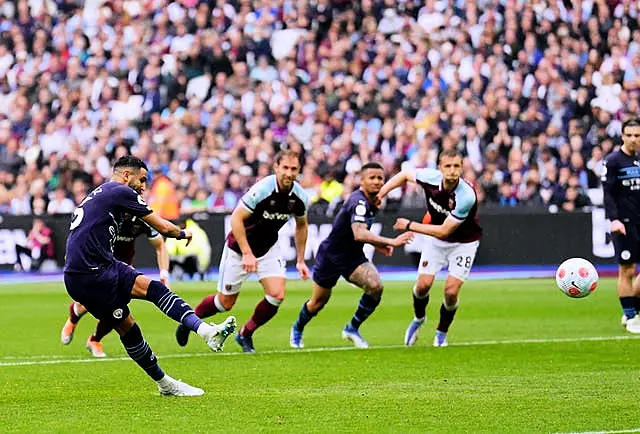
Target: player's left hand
pixel 386 250
pixel 378 201
pixel 401 224
pixel 303 270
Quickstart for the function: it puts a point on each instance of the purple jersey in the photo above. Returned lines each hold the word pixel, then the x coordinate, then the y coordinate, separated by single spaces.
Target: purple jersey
pixel 95 225
pixel 270 210
pixel 131 228
pixel 340 245
pixel 460 204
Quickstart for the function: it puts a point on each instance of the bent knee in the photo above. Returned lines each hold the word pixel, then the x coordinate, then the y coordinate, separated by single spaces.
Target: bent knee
pixel 375 289
pixel 424 284
pixel 227 301
pixel 627 271
pixel 124 326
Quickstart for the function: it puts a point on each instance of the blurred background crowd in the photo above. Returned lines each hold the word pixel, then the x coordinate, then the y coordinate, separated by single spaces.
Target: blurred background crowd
pixel 206 92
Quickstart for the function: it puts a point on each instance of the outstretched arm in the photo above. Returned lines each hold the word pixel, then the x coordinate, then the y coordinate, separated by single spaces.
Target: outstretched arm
pixel 364 235
pixel 439 231
pixel 397 180
pixel 166 228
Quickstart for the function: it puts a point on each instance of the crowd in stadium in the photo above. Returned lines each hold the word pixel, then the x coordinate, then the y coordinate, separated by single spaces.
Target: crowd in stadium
pixel 532 92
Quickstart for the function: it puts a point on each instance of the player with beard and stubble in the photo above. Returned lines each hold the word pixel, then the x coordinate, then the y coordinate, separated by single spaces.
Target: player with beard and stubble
pixel 341 254
pixel 252 247
pixel 105 286
pixel 123 250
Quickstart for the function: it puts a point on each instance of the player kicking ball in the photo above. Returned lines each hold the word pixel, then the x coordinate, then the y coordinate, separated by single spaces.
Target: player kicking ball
pixel 105 286
pixel 452 238
pixel 341 254
pixel 252 247
pixel 123 250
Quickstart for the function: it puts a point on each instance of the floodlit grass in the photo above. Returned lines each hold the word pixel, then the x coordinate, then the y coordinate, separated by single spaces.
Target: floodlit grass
pixel 521 359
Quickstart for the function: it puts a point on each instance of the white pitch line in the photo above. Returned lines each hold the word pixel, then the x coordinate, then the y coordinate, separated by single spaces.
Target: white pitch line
pixel 630 430
pixel 60 359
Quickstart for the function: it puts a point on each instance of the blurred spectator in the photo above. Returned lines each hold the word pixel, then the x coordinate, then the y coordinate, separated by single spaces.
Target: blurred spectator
pixel 162 197
pixel 60 204
pixel 198 89
pixel 38 247
pixel 220 199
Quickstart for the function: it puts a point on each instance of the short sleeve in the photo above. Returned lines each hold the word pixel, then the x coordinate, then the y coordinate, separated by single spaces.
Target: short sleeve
pixel 302 195
pixel 465 200
pixel 358 211
pixel 131 202
pixel 428 176
pixel 258 193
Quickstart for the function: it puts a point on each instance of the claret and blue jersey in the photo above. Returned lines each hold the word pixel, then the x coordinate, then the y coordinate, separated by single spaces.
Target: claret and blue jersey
pixel 270 209
pixel 461 204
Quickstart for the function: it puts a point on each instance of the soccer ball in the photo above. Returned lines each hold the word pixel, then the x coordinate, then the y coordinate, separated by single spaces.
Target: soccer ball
pixel 577 277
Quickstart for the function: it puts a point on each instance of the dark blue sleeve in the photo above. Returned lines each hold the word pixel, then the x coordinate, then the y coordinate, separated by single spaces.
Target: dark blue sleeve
pixel 358 210
pixel 130 201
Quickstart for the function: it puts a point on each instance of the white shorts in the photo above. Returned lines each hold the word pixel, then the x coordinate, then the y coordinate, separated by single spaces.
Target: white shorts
pixel 231 275
pixel 437 253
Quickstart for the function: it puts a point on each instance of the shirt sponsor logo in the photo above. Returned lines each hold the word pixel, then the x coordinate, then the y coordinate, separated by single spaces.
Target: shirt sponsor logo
pixel 437 207
pixel 275 216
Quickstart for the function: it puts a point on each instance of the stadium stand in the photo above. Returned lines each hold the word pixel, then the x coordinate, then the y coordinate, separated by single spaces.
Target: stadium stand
pixel 533 93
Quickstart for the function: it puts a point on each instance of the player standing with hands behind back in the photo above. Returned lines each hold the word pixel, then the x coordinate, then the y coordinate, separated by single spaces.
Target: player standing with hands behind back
pixel 452 238
pixel 621 185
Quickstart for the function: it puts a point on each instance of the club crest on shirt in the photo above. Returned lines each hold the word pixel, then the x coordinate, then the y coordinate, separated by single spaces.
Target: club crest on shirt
pixel 272 203
pixel 452 203
pixel 425 263
pixel 292 204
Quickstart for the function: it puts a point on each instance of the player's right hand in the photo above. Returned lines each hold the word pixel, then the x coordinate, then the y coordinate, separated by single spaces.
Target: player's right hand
pixel 249 263
pixel 386 250
pixel 187 236
pixel 403 239
pixel 618 227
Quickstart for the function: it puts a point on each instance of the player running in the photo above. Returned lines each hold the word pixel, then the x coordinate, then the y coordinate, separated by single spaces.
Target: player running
pixel 105 286
pixel 341 254
pixel 123 250
pixel 621 185
pixel 452 238
pixel 252 247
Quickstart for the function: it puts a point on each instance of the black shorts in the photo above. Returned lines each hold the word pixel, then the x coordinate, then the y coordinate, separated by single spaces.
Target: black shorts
pixel 627 247
pixel 106 293
pixel 327 271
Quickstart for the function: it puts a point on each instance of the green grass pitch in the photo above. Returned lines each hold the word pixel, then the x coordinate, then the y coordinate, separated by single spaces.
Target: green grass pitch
pixel 522 358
